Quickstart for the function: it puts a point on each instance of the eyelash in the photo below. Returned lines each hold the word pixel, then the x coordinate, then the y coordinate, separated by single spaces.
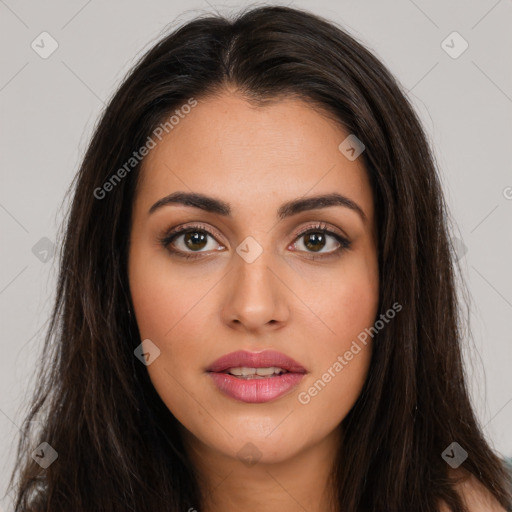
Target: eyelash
pixel 170 236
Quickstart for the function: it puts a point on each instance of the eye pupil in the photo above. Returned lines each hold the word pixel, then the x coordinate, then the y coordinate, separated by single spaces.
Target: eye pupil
pixel 313 240
pixel 196 238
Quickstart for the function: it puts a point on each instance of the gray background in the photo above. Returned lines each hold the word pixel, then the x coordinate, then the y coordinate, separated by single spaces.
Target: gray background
pixel 49 106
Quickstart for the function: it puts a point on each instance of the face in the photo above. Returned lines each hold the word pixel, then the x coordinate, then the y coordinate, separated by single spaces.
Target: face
pixel 249 271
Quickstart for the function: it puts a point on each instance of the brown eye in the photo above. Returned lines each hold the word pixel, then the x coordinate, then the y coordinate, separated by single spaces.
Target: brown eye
pixel 314 241
pixel 318 238
pixel 195 240
pixel 192 241
pixel 187 240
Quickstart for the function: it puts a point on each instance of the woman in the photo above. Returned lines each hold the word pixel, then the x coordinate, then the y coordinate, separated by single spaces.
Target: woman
pixel 256 303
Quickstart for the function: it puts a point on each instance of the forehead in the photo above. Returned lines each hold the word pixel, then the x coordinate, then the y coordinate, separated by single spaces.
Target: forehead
pixel 253 156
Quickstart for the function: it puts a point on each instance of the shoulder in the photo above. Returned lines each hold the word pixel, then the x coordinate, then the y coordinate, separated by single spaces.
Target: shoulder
pixel 475 495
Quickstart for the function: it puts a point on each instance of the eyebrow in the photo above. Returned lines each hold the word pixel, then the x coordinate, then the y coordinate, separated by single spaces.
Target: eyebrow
pixel 288 209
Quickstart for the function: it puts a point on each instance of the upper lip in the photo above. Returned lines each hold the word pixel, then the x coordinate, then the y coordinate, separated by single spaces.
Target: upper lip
pixel 265 359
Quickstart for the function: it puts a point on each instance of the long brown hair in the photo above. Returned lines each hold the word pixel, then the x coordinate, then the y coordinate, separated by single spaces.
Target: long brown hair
pixel 118 445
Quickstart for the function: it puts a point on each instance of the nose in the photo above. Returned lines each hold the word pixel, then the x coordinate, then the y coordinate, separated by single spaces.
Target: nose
pixel 256 295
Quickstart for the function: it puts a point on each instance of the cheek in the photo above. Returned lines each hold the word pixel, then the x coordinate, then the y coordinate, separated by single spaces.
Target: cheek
pixel 164 300
pixel 346 307
pixel 330 394
pixel 167 307
pixel 341 360
pixel 355 311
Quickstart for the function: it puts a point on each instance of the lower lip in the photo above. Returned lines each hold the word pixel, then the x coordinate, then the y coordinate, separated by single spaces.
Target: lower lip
pixel 256 390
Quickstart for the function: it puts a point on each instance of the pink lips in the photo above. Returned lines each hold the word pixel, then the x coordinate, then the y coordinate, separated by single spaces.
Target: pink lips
pixel 256 390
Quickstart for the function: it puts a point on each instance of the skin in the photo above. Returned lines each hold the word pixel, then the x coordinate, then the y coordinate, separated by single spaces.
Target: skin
pixel 475 496
pixel 195 311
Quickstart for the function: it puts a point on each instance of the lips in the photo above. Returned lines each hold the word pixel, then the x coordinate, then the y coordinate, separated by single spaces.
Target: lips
pixel 266 359
pixel 255 389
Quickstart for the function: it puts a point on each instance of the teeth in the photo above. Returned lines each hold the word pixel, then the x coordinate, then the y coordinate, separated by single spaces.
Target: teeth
pixel 255 372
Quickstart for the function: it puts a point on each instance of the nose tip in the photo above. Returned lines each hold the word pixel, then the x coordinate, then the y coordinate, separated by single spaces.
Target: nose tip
pixel 255 298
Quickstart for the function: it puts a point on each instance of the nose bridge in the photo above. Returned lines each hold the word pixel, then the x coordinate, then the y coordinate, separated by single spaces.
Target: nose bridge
pixel 256 295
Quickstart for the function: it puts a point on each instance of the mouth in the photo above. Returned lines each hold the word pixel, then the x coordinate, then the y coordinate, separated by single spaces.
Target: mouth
pixel 243 372
pixel 256 377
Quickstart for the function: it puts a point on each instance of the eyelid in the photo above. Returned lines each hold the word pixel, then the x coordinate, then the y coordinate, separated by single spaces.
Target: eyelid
pixel 322 226
pixel 170 234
